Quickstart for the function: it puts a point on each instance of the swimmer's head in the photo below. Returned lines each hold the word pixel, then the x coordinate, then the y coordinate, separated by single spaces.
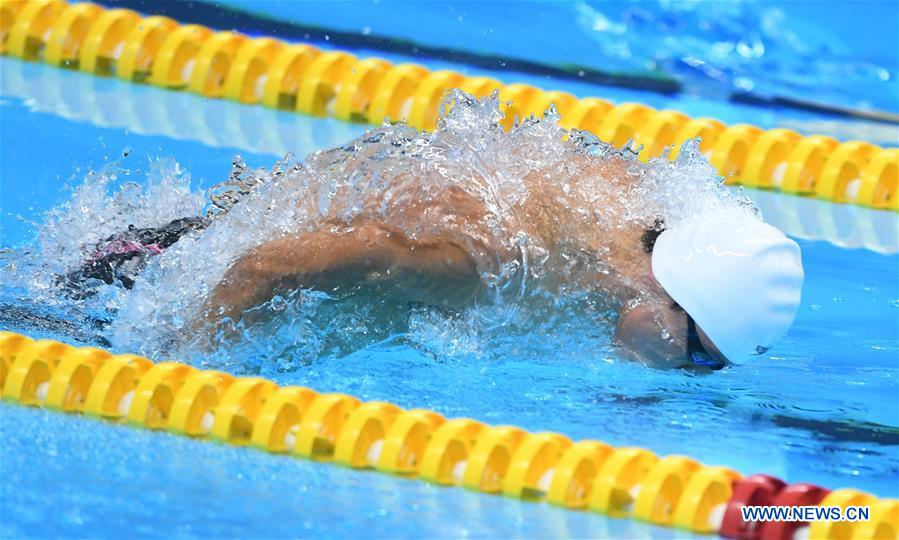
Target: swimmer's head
pixel 738 280
pixel 660 334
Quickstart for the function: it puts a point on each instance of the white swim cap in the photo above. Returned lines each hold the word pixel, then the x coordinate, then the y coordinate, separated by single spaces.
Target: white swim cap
pixel 739 278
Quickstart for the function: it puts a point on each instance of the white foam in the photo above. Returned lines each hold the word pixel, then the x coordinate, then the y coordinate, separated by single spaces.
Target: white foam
pixel 371 178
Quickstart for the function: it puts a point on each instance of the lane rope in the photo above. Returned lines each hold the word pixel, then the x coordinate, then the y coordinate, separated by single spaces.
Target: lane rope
pixel 263 130
pixel 159 51
pixel 674 491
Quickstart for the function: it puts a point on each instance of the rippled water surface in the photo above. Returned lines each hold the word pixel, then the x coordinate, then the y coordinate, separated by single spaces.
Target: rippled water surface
pixel 809 50
pixel 822 407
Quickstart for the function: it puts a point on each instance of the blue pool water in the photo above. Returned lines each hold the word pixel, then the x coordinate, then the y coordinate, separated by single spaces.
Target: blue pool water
pixel 823 407
pixel 807 50
pixel 75 478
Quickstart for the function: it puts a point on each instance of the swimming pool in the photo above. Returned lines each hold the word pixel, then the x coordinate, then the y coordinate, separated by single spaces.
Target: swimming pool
pixel 822 409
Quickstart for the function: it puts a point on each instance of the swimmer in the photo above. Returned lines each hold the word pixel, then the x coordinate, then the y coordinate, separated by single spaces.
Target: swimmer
pixel 120 257
pixel 700 292
pixel 711 291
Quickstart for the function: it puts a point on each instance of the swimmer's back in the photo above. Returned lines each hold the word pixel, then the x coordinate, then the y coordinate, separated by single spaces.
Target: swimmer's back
pixel 430 234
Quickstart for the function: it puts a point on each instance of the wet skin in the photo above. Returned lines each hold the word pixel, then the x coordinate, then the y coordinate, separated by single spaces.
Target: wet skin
pixel 641 332
pixel 444 266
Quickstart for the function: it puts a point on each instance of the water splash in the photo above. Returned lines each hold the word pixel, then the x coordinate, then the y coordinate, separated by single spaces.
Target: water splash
pixel 715 48
pixel 105 203
pixel 556 207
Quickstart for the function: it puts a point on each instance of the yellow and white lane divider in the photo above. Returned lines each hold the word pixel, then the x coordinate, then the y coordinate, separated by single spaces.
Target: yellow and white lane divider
pixel 675 491
pixel 159 51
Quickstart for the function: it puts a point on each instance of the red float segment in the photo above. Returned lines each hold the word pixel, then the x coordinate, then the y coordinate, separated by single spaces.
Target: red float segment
pixel 755 490
pixel 794 495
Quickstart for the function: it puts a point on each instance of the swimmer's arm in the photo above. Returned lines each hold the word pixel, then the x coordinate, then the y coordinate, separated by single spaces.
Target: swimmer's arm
pixel 432 271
